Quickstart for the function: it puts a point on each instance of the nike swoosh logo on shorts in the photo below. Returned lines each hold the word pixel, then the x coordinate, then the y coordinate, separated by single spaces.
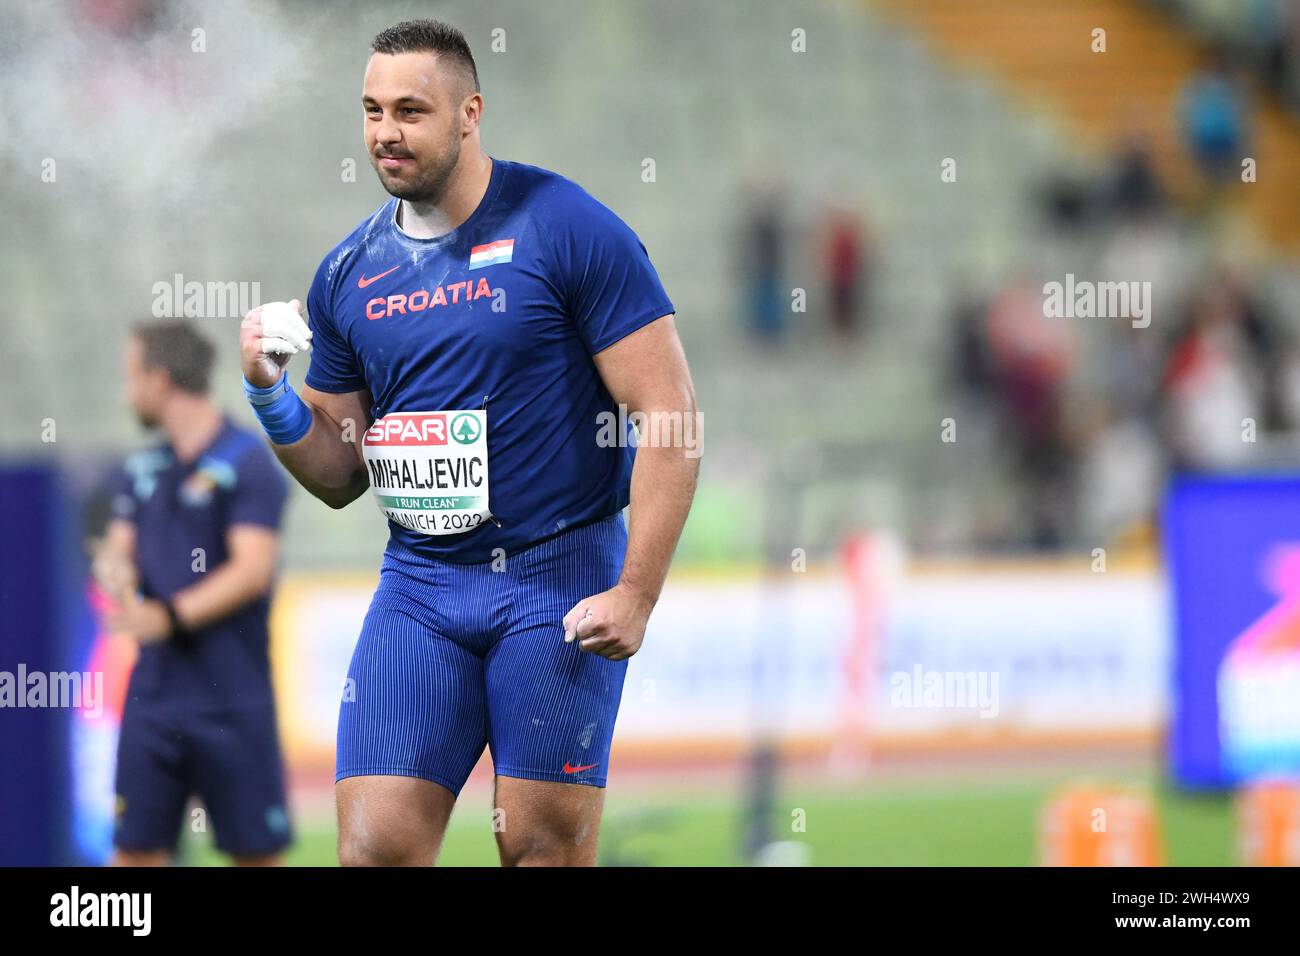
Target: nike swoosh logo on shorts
pixel 570 769
pixel 363 281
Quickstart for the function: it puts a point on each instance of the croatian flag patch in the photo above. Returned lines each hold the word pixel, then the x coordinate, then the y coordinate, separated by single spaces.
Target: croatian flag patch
pixel 493 253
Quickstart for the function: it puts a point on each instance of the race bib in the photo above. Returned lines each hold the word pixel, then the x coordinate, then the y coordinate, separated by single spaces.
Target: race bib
pixel 429 470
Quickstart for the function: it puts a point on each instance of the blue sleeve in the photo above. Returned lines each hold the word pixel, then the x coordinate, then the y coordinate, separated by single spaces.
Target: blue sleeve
pixel 333 365
pixel 611 289
pixel 260 490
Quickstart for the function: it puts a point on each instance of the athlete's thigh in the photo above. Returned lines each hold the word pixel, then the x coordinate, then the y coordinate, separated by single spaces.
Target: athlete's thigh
pixel 412 724
pixel 551 705
pixel 413 704
pixel 391 820
pixel 545 823
pixel 552 709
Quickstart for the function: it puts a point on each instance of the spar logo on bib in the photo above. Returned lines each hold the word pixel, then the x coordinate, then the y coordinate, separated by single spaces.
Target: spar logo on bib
pixel 409 429
pixel 465 429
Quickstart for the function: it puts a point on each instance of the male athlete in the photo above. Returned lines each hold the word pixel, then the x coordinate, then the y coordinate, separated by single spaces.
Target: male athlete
pixel 189 559
pixel 466 342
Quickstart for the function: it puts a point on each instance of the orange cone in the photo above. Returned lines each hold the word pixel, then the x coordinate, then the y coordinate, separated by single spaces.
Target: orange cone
pixel 1099 825
pixel 1268 823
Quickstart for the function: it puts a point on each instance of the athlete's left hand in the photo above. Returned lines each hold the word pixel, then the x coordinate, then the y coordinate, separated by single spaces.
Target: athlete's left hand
pixel 144 619
pixel 611 624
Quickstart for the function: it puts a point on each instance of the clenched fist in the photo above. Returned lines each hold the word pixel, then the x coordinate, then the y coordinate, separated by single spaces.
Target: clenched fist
pixel 268 336
pixel 610 624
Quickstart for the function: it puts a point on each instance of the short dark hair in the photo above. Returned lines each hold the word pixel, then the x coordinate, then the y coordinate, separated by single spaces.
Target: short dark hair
pixel 175 346
pixel 431 36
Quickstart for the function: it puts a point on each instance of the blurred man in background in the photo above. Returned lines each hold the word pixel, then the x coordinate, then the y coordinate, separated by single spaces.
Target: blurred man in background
pixel 189 557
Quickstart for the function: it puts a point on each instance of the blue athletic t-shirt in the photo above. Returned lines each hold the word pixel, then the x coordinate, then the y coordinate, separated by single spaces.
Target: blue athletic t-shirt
pixel 182 513
pixel 503 314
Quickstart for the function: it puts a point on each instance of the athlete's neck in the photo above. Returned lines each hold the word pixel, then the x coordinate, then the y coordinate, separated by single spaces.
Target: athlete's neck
pixel 465 190
pixel 191 424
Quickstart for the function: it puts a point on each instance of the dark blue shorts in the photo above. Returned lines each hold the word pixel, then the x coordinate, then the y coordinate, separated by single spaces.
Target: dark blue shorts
pixel 230 760
pixel 455 657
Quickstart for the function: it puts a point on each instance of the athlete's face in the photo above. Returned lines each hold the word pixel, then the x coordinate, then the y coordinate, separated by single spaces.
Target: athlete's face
pixel 145 387
pixel 415 119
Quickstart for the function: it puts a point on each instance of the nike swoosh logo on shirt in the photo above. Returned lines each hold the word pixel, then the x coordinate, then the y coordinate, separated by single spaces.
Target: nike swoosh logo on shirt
pixel 363 281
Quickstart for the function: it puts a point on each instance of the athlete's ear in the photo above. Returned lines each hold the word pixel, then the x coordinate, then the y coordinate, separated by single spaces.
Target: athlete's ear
pixel 471 111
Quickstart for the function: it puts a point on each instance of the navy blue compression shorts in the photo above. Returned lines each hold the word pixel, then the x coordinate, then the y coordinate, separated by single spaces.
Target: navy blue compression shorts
pixel 455 657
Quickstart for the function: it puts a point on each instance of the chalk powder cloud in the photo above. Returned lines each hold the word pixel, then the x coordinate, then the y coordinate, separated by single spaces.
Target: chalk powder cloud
pixel 131 102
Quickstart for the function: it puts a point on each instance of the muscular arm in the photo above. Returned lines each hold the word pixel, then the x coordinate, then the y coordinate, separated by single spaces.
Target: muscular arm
pixel 647 372
pixel 327 460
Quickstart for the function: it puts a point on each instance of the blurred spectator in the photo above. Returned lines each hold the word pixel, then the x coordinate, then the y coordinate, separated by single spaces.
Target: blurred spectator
pixel 1267 348
pixel 1277 25
pixel 763 265
pixel 1032 360
pixel 1135 188
pixel 1212 114
pixel 1119 474
pixel 1211 383
pixel 972 361
pixel 1067 202
pixel 845 257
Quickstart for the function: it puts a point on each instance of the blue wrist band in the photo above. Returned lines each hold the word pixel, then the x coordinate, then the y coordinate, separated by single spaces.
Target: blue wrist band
pixel 284 416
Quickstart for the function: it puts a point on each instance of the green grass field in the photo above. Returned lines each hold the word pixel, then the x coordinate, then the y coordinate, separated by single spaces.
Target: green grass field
pixel 903 824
